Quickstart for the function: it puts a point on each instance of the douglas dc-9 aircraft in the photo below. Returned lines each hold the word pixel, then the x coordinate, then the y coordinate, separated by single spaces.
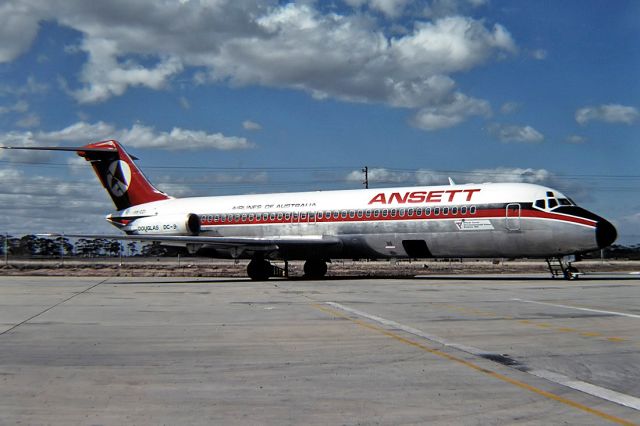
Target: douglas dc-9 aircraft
pixel 473 220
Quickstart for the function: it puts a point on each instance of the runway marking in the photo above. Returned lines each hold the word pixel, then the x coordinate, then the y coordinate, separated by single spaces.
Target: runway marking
pixel 588 388
pixel 53 306
pixel 621 314
pixel 542 325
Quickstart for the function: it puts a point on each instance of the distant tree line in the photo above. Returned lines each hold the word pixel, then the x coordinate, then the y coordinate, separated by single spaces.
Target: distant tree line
pixel 34 246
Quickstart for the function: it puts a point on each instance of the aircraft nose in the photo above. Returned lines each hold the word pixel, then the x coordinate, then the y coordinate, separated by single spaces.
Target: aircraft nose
pixel 606 233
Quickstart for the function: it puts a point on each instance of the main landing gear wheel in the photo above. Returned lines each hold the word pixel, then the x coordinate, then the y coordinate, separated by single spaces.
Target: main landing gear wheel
pixel 315 268
pixel 259 269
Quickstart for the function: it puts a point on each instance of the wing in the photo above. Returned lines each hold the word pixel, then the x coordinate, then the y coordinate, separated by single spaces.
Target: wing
pixel 266 244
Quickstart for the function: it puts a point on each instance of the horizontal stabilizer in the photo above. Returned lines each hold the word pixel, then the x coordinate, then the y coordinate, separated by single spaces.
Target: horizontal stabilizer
pixel 106 150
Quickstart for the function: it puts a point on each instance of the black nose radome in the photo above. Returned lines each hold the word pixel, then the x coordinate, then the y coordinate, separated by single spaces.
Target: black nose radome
pixel 606 233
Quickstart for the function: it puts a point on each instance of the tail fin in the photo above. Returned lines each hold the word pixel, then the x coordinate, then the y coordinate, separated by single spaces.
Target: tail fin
pixel 124 181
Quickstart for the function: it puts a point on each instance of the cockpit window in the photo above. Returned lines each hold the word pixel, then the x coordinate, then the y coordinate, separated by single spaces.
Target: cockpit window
pixel 553 203
pixel 550 194
pixel 564 202
pixel 540 204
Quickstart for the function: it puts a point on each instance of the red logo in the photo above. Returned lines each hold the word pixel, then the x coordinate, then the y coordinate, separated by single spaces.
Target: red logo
pixel 416 197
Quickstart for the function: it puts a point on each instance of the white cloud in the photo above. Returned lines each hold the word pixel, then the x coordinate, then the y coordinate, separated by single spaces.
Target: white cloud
pixel 575 139
pixel 251 125
pixel 439 8
pixel 611 113
pixel 18 29
pixel 539 54
pixel 29 120
pixel 512 133
pixel 19 106
pixel 184 103
pixel 390 8
pixel 104 76
pixel 509 107
pixel 452 113
pixel 148 43
pixel 381 176
pixel 25 195
pixel 137 136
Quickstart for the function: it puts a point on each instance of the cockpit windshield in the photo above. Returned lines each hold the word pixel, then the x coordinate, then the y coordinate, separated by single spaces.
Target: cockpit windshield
pixel 551 202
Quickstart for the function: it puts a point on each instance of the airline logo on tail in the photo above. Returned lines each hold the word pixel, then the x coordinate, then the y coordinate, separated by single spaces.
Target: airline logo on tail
pixel 118 178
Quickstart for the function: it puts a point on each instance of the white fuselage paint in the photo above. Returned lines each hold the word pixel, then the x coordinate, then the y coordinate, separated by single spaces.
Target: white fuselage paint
pixel 473 220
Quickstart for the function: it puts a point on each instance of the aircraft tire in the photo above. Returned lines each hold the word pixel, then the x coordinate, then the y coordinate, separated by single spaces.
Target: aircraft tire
pixel 315 268
pixel 259 270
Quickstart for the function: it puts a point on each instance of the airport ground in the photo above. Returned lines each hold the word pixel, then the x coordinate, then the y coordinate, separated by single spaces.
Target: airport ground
pixel 207 267
pixel 434 349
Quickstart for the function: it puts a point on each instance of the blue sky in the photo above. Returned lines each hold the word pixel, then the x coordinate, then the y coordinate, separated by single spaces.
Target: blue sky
pixel 220 97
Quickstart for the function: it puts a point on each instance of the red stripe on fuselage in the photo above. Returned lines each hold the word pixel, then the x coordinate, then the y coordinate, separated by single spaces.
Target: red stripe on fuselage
pixel 489 213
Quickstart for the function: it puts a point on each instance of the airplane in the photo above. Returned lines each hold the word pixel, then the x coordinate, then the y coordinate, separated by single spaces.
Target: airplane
pixel 489 220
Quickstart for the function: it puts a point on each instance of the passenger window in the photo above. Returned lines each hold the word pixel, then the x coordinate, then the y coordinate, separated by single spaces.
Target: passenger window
pixel 445 211
pixel 336 214
pixel 216 218
pixel 360 214
pixel 352 214
pixel 410 212
pixel 463 210
pixel 287 216
pixel 472 210
pixel 401 212
pixel 454 210
pixel 427 211
pixel 280 216
pixel 273 216
pixel 436 211
pixel 367 213
pixel 385 213
pixel 393 212
pixel 376 213
pixel 418 212
pixel 237 218
pixel 344 214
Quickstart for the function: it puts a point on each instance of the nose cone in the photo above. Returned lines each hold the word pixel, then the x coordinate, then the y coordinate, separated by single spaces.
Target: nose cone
pixel 606 233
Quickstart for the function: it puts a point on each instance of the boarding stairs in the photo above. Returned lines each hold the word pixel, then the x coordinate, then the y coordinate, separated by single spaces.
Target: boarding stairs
pixel 562 268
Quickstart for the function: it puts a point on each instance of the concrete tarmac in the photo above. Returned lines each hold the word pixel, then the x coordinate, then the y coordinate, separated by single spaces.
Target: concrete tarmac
pixel 448 350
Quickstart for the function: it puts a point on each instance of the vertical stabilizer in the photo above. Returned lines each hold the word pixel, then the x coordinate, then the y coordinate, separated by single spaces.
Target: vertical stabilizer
pixel 124 181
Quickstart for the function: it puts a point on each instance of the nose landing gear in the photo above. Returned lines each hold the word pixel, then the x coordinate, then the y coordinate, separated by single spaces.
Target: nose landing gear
pixel 562 267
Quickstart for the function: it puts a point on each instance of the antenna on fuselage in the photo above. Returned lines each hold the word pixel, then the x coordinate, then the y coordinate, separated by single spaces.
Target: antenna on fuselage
pixel 451 182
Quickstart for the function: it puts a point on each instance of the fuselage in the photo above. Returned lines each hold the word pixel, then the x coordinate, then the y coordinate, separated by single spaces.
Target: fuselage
pixel 472 220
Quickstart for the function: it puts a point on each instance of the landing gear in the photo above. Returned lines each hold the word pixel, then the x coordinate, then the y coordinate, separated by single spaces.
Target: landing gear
pixel 562 267
pixel 259 269
pixel 315 268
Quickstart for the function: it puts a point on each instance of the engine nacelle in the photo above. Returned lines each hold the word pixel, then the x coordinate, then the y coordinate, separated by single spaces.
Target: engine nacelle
pixel 178 224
